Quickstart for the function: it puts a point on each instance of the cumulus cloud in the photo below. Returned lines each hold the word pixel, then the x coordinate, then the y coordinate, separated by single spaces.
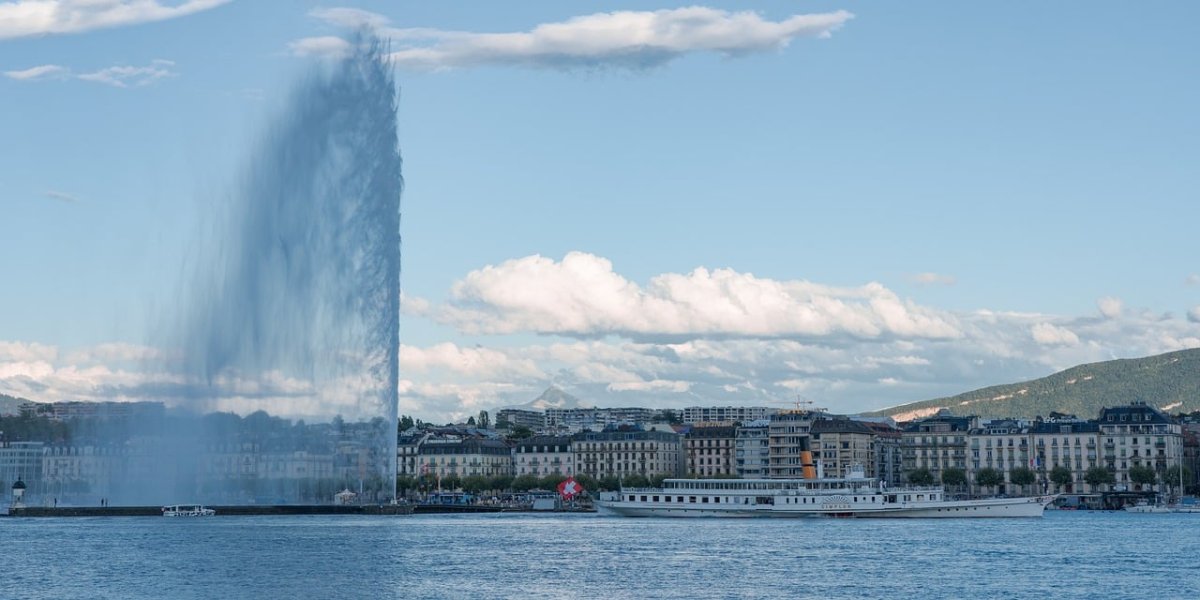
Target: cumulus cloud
pixel 1110 307
pixel 933 279
pixel 581 295
pixel 1193 279
pixel 40 72
pixel 1194 314
pixel 1052 335
pixel 22 18
pixel 620 39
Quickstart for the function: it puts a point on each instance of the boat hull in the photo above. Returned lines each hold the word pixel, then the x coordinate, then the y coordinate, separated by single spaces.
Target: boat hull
pixel 952 509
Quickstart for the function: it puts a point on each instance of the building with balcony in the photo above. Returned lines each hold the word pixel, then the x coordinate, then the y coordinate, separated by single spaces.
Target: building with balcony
pixel 787 437
pixel 710 451
pixel 726 414
pixel 1138 435
pixel 751 452
pixel 542 456
pixel 936 443
pixel 620 453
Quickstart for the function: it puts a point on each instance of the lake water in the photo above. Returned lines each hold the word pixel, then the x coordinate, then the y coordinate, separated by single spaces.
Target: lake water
pixel 1064 555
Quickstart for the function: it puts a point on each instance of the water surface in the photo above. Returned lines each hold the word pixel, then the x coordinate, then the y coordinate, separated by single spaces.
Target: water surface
pixel 1064 555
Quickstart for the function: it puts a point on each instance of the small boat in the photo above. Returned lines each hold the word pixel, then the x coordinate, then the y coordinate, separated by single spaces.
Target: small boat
pixel 1145 507
pixel 187 510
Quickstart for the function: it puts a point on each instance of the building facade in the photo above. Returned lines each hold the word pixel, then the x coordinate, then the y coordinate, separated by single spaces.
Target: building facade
pixel 532 419
pixel 710 451
pixel 936 443
pixel 787 437
pixel 542 456
pixel 752 456
pixel 726 414
pixel 621 453
pixel 1138 435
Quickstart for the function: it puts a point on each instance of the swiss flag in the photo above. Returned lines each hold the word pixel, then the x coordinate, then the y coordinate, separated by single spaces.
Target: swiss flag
pixel 569 488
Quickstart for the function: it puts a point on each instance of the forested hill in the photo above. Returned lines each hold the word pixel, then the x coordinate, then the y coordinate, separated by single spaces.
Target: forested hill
pixel 1169 381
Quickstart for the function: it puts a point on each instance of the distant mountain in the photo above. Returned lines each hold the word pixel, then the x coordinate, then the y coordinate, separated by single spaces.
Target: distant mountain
pixel 9 405
pixel 1169 381
pixel 553 397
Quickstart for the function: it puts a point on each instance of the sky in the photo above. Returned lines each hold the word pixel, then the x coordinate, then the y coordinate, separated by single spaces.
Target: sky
pixel 857 203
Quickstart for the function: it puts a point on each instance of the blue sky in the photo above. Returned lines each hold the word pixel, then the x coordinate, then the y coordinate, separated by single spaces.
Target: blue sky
pixel 888 204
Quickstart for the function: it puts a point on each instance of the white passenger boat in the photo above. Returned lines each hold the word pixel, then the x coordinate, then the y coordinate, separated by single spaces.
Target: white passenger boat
pixel 853 496
pixel 187 510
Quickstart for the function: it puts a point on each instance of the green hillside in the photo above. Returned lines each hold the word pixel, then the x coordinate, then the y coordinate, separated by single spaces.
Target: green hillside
pixel 1169 381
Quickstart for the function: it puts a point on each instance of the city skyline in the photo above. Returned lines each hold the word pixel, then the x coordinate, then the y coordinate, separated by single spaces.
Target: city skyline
pixel 642 203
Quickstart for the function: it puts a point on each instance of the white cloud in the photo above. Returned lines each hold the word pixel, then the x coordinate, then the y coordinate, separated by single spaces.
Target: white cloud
pixel 1194 314
pixel 471 362
pixel 582 295
pixel 1110 307
pixel 117 76
pixel 21 352
pixel 1193 279
pixel 622 39
pixel 353 18
pixel 125 76
pixel 39 72
pixel 933 279
pixel 330 46
pixel 1052 335
pixel 21 18
pixel 60 196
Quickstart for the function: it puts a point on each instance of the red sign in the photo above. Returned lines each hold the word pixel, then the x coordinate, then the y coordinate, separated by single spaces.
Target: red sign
pixel 569 488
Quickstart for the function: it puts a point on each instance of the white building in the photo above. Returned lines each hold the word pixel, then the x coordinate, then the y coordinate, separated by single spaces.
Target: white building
pixel 542 456
pixel 726 414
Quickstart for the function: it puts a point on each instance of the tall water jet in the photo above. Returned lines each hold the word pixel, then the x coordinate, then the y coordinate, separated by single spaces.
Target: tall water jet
pixel 295 307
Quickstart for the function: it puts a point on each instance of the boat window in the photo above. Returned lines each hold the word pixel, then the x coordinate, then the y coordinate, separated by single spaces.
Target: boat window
pixel 692 499
pixel 656 498
pixel 643 498
pixel 680 499
pixel 704 500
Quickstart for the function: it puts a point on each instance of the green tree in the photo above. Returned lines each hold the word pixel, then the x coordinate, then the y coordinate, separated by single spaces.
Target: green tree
pixel 471 421
pixel 1022 476
pixel 406 423
pixel 550 482
pixel 500 483
pixel 475 484
pixel 988 477
pixel 404 483
pixel 920 476
pixel 954 477
pixel 656 481
pixel 635 481
pixel 1097 476
pixel 1175 477
pixel 519 432
pixel 1142 475
pixel 524 483
pixel 1061 476
pixel 451 482
pixel 609 483
pixel 485 420
pixel 587 482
